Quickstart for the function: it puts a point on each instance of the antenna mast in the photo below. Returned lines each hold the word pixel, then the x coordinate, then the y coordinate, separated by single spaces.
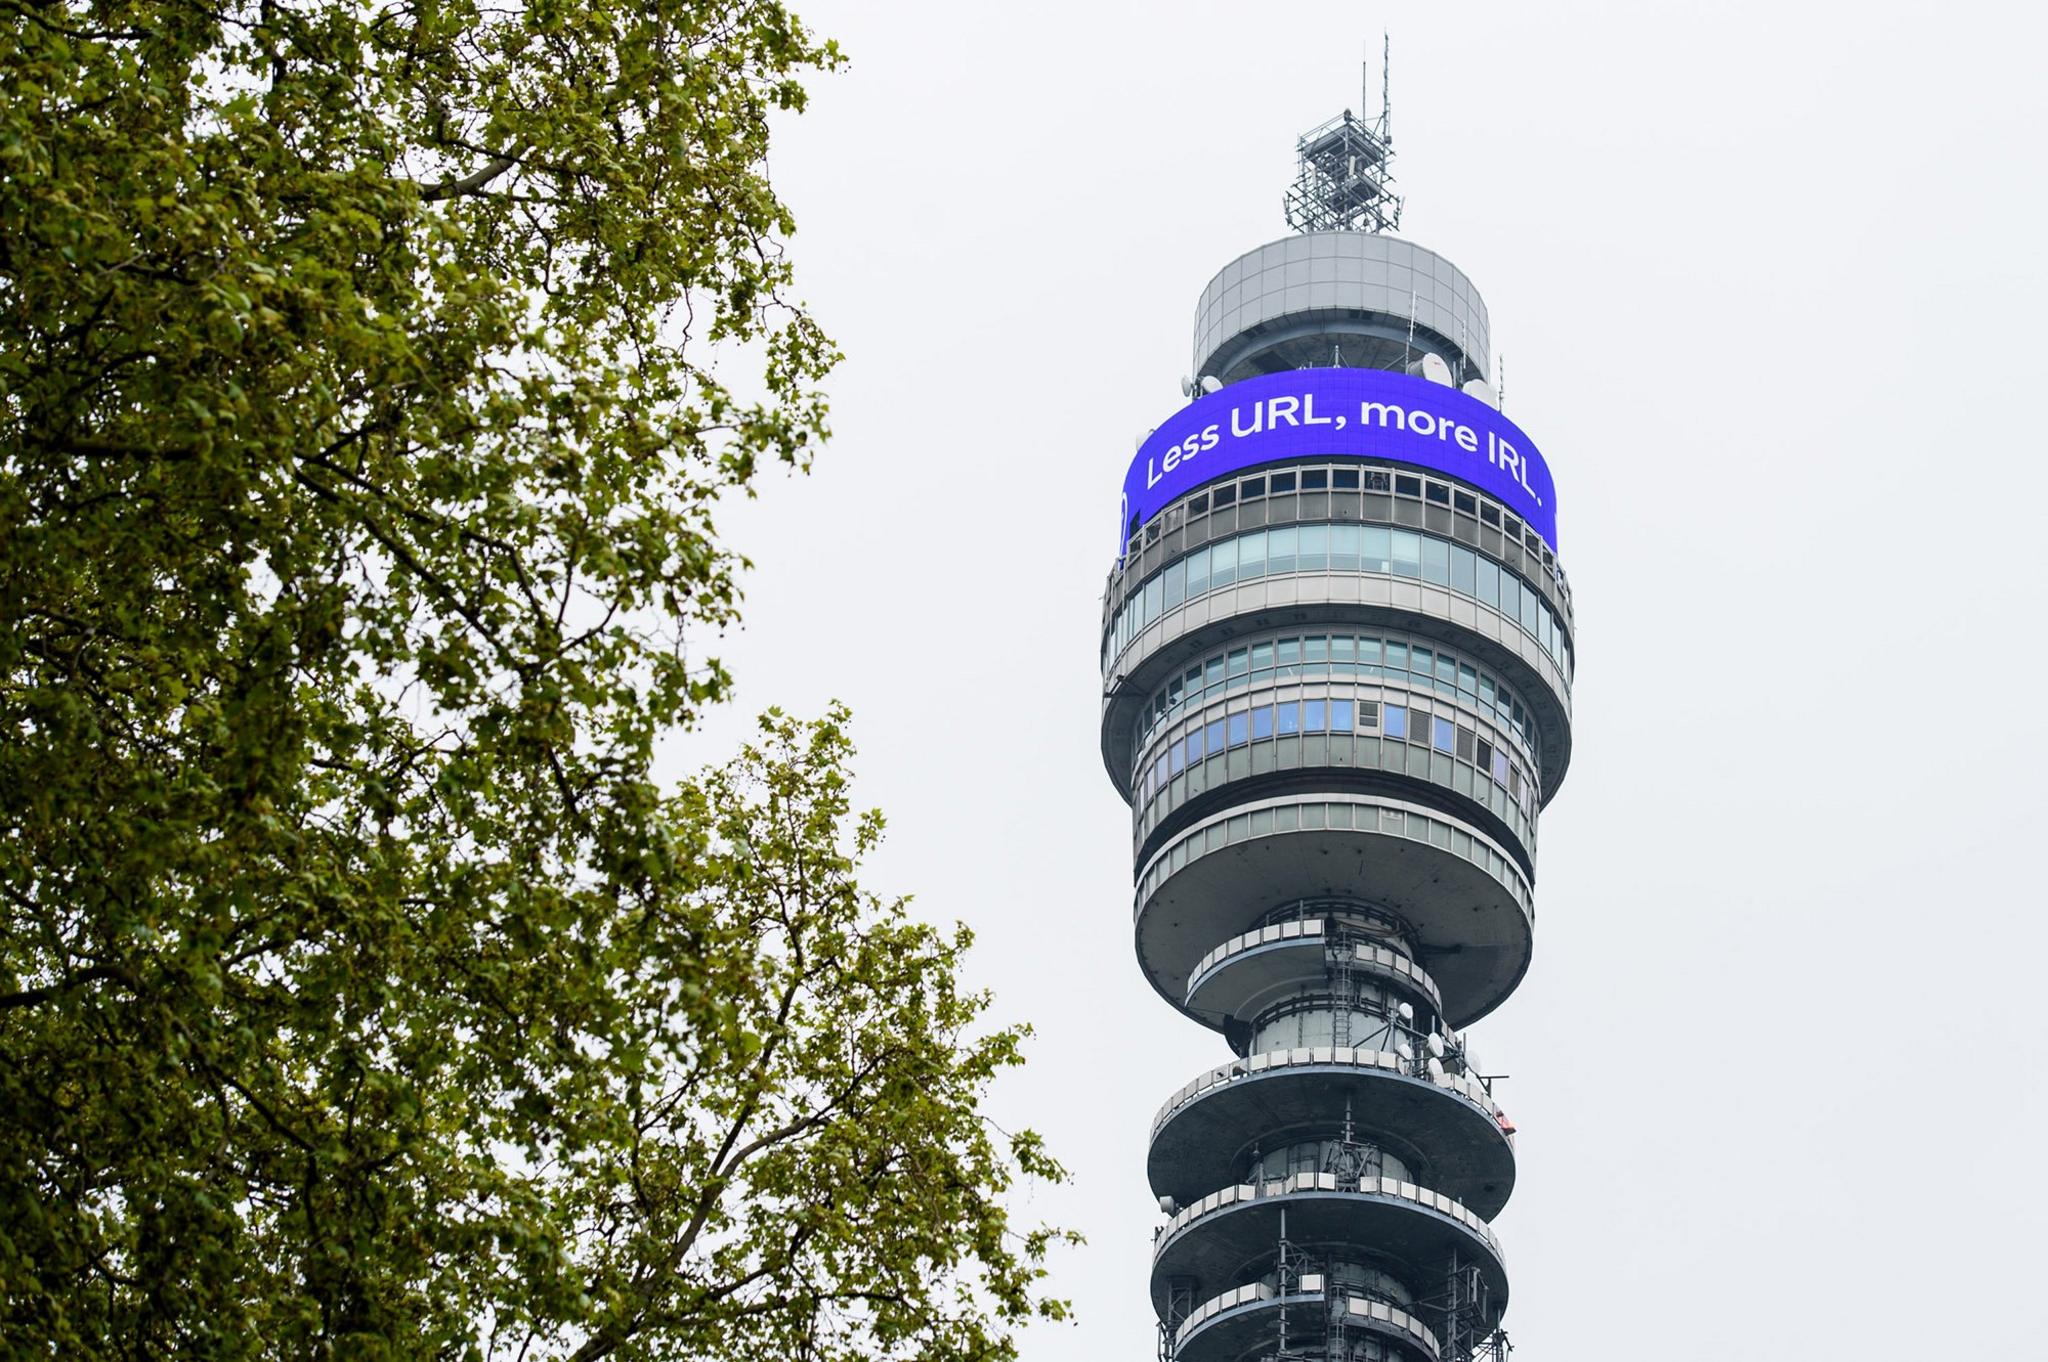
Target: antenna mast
pixel 1343 183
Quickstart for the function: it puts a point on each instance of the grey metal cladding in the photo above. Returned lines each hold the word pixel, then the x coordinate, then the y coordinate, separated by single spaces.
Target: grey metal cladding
pixel 1353 271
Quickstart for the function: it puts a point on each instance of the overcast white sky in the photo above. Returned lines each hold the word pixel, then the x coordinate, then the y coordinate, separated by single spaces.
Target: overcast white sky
pixel 1768 280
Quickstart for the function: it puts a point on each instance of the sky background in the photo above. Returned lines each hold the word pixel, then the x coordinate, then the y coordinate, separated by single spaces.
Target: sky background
pixel 1767 280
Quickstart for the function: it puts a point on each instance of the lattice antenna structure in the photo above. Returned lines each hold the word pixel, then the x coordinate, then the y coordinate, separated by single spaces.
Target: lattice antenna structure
pixel 1343 182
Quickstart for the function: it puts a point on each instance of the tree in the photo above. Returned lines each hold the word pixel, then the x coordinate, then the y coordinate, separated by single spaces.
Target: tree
pixel 361 991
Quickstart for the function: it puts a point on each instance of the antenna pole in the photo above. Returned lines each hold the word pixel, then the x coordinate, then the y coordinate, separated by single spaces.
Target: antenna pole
pixel 1386 95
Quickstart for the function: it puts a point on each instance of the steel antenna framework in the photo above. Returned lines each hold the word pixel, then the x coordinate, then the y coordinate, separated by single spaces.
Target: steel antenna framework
pixel 1343 182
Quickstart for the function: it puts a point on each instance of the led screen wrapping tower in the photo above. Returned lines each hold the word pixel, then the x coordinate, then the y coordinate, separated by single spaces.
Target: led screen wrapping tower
pixel 1337 659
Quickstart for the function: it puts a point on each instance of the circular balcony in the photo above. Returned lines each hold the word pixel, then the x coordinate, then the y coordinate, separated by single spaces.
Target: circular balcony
pixel 1203 1130
pixel 1248 973
pixel 1465 899
pixel 1210 1243
pixel 1246 1322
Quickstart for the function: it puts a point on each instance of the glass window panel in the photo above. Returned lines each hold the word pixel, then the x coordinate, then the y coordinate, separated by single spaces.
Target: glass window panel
pixel 1407 554
pixel 1394 721
pixel 1222 564
pixel 1280 549
pixel 1445 735
pixel 1194 746
pixel 1485 688
pixel 1529 609
pixel 1238 662
pixel 1368 713
pixel 1397 655
pixel 1421 661
pixel 1340 716
pixel 1344 548
pixel 1240 729
pixel 1369 652
pixel 1343 649
pixel 1251 556
pixel 1198 572
pixel 1176 584
pixel 1313 554
pixel 1375 551
pixel 1214 673
pixel 1290 717
pixel 1466 738
pixel 1315 650
pixel 1262 657
pixel 1436 562
pixel 1152 590
pixel 1312 716
pixel 1500 766
pixel 1468 679
pixel 1180 756
pixel 1489 583
pixel 1464 570
pixel 1262 722
pixel 1447 670
pixel 1287 652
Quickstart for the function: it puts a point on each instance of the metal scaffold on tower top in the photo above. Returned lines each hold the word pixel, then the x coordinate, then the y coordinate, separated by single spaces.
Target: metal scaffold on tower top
pixel 1343 183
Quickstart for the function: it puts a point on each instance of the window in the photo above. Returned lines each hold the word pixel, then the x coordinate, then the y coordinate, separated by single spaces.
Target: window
pixel 1395 721
pixel 1436 562
pixel 1251 556
pixel 1314 552
pixel 1407 554
pixel 1262 722
pixel 1313 480
pixel 1344 478
pixel 1240 729
pixel 1444 733
pixel 1280 549
pixel 1283 482
pixel 1222 563
pixel 1368 714
pixel 1466 738
pixel 1312 716
pixel 1193 744
pixel 1290 718
pixel 1224 496
pixel 1255 487
pixel 1238 662
pixel 1340 716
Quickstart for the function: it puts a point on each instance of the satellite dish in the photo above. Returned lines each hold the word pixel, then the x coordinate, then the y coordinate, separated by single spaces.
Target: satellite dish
pixel 1406 1011
pixel 1483 390
pixel 1436 1044
pixel 1211 384
pixel 1166 1204
pixel 1436 371
pixel 1187 386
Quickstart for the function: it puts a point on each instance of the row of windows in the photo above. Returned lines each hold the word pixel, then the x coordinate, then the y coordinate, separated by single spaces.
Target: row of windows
pixel 1342 548
pixel 1362 812
pixel 1405 723
pixel 1384 481
pixel 1394 657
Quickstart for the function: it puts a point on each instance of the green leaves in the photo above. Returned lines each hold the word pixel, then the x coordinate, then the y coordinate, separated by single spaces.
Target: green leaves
pixel 360 991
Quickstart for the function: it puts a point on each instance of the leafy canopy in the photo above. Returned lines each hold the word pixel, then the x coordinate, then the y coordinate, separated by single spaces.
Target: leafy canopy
pixel 361 993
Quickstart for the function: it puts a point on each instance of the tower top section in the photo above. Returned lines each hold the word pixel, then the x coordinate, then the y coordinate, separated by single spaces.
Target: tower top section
pixel 1343 182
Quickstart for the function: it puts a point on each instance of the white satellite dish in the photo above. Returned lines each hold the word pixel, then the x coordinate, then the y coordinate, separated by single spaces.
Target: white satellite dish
pixel 1211 384
pixel 1481 389
pixel 1187 386
pixel 1436 371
